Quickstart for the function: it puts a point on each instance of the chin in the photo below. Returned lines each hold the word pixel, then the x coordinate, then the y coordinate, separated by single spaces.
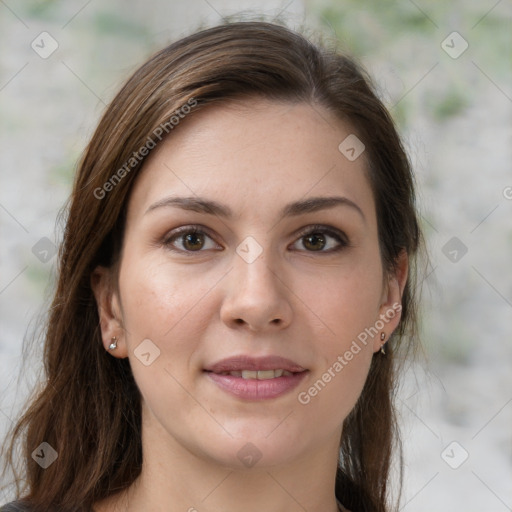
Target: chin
pixel 254 452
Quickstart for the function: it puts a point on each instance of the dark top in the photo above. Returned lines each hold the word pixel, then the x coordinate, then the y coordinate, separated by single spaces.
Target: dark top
pixel 15 506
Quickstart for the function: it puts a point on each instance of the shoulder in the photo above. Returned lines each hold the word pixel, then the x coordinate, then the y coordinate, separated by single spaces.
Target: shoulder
pixel 16 506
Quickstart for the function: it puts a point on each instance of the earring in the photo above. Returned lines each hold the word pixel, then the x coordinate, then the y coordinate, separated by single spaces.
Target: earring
pixel 382 338
pixel 113 344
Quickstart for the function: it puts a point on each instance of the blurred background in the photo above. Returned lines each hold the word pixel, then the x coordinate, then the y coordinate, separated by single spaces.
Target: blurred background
pixel 444 70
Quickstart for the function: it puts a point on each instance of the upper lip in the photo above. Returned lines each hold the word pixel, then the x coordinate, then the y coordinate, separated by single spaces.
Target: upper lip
pixel 244 362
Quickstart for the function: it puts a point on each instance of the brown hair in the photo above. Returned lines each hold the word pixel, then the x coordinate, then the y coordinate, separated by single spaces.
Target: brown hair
pixel 89 408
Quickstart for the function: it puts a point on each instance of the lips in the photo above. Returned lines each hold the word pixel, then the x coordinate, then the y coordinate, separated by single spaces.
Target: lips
pixel 256 378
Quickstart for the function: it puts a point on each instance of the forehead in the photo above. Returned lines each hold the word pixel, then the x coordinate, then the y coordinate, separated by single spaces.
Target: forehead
pixel 255 155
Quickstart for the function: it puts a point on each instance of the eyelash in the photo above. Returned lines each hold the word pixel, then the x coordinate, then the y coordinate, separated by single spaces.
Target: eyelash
pixel 339 236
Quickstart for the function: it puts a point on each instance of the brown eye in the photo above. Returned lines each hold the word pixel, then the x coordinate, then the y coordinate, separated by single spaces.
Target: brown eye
pixel 314 241
pixel 318 238
pixel 188 239
pixel 192 241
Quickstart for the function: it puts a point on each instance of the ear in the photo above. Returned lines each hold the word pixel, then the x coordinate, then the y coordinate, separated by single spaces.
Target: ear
pixel 109 310
pixel 390 310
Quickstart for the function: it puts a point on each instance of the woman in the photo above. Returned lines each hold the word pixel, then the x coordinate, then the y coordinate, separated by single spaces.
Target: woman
pixel 235 278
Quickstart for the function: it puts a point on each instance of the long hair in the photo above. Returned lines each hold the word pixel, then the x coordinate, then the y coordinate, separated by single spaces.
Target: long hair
pixel 89 407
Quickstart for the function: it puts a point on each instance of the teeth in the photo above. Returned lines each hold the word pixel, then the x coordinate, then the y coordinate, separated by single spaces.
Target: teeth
pixel 260 374
pixel 267 374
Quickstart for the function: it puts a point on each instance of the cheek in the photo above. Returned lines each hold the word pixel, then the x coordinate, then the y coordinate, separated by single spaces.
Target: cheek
pixel 345 353
pixel 345 302
pixel 157 299
pixel 161 305
pixel 346 307
pixel 168 308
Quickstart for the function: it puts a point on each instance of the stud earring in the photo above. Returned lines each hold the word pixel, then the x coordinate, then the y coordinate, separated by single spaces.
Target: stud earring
pixel 382 338
pixel 113 343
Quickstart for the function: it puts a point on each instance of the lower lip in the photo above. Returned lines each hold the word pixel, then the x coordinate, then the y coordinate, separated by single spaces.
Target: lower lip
pixel 254 389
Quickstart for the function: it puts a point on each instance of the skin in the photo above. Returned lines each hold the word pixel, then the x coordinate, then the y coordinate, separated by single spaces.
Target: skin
pixel 205 305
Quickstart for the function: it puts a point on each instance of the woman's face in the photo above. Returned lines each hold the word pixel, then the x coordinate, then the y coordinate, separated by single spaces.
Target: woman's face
pixel 272 271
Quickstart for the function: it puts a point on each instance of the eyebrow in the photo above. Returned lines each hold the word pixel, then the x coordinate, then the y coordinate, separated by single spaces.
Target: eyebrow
pixel 202 205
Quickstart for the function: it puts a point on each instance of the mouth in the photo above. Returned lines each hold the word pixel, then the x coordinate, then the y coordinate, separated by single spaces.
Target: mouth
pixel 253 378
pixel 258 374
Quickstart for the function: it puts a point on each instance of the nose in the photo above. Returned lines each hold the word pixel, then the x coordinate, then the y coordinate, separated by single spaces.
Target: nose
pixel 256 297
